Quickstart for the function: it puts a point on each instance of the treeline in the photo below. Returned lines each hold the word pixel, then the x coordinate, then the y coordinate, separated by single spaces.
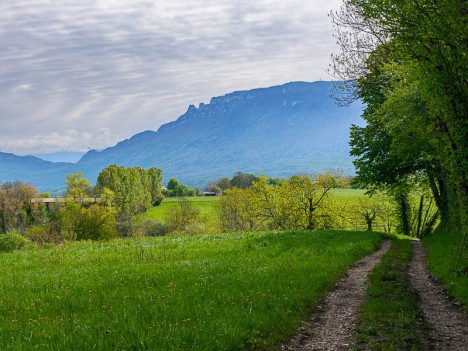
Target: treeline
pixel 239 180
pixel 407 62
pixel 85 212
pixel 248 203
pixel 299 202
pixel 308 202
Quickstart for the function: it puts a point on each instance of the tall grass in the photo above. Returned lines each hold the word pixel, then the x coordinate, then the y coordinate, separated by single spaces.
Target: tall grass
pixel 208 292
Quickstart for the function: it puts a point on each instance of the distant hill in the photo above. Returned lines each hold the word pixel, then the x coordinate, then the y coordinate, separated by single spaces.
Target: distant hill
pixel 70 157
pixel 278 131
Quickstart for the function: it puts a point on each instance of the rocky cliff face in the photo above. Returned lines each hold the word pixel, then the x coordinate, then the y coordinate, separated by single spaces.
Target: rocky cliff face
pixel 278 131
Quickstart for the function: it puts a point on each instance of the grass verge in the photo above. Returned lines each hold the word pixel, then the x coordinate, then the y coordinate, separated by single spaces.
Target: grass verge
pixel 448 263
pixel 210 292
pixel 390 318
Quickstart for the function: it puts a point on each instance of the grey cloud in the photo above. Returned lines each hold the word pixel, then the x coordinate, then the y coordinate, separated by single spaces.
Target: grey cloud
pixel 130 65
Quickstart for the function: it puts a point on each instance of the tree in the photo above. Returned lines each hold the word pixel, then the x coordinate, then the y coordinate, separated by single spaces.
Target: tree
pixel 239 211
pixel 300 202
pixel 368 210
pixel 78 188
pixel 172 184
pixel 155 185
pixel 17 211
pixel 219 186
pixel 407 61
pixel 183 218
pixel 174 188
pixel 243 180
pixel 135 189
pixel 308 195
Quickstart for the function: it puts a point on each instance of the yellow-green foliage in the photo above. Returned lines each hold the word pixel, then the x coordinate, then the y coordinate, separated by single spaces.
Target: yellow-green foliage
pixel 183 218
pixel 95 222
pixel 284 206
pixel 11 241
pixel 299 202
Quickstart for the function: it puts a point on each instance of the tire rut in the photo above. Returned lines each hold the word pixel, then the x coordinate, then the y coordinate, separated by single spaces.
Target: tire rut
pixel 333 323
pixel 449 324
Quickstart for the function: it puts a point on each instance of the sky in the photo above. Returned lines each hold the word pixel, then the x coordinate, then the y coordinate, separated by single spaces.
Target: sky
pixel 81 75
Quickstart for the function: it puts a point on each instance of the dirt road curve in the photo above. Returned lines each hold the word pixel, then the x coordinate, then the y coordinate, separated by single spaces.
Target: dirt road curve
pixel 332 325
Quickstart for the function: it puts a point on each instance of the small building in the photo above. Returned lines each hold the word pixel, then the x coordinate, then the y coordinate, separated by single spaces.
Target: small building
pixel 209 193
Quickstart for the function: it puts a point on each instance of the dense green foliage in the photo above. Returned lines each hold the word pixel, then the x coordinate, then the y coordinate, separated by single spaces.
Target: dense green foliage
pixel 390 318
pixel 11 241
pixel 184 218
pixel 174 188
pixel 407 61
pixel 78 188
pixel 447 259
pixel 210 292
pixel 93 222
pixel 135 189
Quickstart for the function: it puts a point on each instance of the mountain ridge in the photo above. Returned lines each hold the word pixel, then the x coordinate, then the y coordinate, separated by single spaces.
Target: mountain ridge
pixel 282 130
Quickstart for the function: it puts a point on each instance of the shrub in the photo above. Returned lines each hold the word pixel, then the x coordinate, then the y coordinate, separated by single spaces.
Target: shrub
pixel 43 235
pixel 184 218
pixel 11 241
pixel 92 223
pixel 147 227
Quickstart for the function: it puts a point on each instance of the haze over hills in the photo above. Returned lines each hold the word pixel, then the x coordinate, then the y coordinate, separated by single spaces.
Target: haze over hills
pixel 277 131
pixel 70 157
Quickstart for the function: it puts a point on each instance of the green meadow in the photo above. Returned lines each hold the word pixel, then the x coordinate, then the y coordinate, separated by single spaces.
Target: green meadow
pixel 206 205
pixel 205 292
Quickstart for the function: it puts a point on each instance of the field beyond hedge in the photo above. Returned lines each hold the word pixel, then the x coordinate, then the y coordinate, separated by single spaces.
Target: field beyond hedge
pixel 207 205
pixel 207 292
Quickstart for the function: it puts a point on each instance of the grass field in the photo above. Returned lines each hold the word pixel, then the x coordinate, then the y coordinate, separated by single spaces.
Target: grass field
pixel 208 292
pixel 206 205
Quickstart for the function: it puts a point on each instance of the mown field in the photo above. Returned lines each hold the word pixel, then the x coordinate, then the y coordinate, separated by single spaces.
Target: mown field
pixel 206 205
pixel 207 292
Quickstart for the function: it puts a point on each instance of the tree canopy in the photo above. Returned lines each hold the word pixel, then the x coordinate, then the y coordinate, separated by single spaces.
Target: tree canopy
pixel 134 189
pixel 406 60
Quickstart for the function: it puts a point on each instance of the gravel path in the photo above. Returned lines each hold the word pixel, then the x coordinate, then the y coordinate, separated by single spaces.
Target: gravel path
pixel 332 325
pixel 449 323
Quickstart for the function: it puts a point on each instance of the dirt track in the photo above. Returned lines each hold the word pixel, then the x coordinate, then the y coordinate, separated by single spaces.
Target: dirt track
pixel 332 325
pixel 449 324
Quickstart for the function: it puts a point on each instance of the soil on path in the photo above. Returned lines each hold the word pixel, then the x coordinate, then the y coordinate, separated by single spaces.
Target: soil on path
pixel 333 323
pixel 449 324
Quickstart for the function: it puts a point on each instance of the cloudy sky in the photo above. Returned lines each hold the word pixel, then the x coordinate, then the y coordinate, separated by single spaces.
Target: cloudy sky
pixel 83 74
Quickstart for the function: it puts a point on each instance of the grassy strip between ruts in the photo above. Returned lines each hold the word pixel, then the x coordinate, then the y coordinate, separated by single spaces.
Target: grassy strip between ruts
pixel 209 292
pixel 448 262
pixel 390 318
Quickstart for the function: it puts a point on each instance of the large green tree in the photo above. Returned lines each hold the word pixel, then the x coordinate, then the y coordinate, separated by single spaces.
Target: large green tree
pixel 407 61
pixel 134 189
